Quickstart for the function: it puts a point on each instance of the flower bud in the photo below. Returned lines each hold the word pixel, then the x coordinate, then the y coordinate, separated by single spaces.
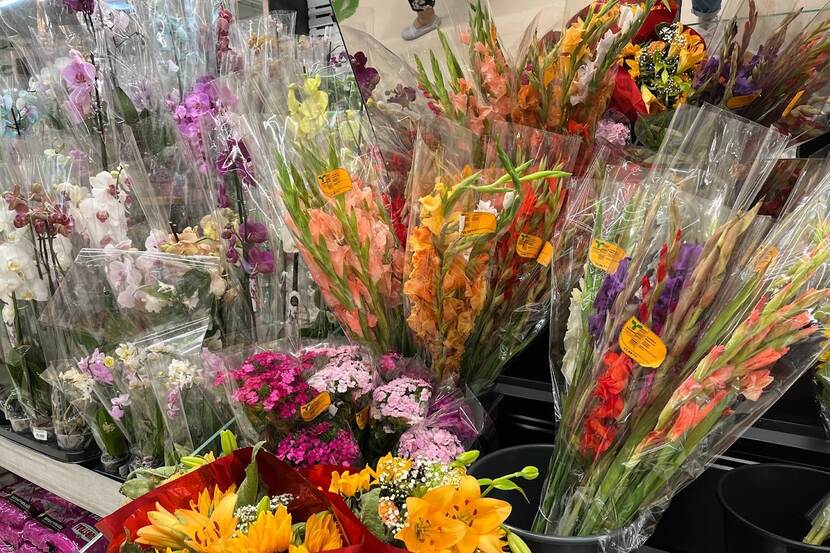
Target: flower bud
pixel 468 457
pixel 530 473
pixel 516 544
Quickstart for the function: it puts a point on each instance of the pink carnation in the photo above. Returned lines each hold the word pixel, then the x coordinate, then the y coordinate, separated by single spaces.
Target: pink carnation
pixel 405 399
pixel 435 444
pixel 320 443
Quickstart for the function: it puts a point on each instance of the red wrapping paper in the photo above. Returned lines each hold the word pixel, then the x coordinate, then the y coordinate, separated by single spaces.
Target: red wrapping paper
pixel 278 478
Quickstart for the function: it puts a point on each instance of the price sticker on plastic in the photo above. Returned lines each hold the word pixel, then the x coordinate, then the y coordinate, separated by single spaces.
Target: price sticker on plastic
pixel 528 246
pixel 766 258
pixel 605 255
pixel 315 407
pixel 362 418
pixel 334 183
pixel 545 256
pixel 478 222
pixel 641 344
pixel 40 434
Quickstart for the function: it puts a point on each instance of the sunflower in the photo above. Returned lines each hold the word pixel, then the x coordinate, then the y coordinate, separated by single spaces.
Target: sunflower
pixel 269 533
pixel 321 534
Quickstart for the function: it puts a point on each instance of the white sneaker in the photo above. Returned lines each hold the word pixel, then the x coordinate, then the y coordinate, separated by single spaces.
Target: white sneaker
pixel 411 32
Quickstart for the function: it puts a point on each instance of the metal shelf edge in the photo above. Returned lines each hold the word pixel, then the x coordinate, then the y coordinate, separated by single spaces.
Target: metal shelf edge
pixel 83 487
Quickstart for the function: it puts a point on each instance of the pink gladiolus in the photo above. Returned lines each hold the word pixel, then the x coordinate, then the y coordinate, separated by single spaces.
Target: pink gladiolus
pixel 341 256
pixel 686 418
pixel 752 320
pixel 764 358
pixel 753 384
pixel 322 224
pixel 464 36
pixel 459 102
pixel 719 378
pixel 706 409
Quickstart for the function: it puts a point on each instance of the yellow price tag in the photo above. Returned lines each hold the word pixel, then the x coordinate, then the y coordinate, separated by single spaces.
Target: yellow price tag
pixel 605 255
pixel 641 344
pixel 362 418
pixel 478 222
pixel 528 246
pixel 315 407
pixel 334 183
pixel 545 255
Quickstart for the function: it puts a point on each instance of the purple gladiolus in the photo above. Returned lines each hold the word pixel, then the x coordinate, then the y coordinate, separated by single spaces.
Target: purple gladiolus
pixel 680 272
pixel 608 292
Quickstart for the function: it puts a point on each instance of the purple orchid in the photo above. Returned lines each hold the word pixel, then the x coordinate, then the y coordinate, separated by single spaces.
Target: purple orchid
pixel 253 233
pixel 367 77
pixel 260 261
pixel 85 6
pixel 118 404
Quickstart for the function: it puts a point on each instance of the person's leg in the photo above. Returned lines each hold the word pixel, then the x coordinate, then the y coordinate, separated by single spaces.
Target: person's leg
pixel 425 19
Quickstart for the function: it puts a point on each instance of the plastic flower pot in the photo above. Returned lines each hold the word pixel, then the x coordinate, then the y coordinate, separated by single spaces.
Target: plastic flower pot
pixel 19 424
pixel 42 432
pixel 72 442
pixel 767 507
pixel 112 465
pixel 513 459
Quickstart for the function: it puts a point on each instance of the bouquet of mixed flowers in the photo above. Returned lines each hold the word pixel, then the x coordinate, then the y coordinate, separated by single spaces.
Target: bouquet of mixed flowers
pixel 427 505
pixel 568 83
pixel 679 351
pixel 769 68
pixel 303 404
pixel 663 68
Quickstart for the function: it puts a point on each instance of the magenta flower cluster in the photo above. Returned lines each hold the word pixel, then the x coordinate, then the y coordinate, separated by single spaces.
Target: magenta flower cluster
pixel 320 443
pixel 434 444
pixel 345 371
pixel 403 399
pixel 201 101
pixel 270 381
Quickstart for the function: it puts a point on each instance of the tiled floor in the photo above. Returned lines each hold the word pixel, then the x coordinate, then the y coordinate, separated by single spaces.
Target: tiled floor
pixel 385 19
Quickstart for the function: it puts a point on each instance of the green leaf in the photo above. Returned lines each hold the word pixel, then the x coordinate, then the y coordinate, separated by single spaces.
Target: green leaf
pixel 125 106
pixel 344 9
pixel 369 516
pixel 509 485
pixel 130 547
pixel 249 488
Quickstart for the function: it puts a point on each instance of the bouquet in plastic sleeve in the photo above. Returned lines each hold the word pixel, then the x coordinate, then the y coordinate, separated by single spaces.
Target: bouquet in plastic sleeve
pixel 78 387
pixel 631 435
pixel 567 83
pixel 517 303
pixel 181 374
pixel 458 215
pixel 303 403
pixel 248 499
pixel 769 67
pixel 71 430
pixel 331 202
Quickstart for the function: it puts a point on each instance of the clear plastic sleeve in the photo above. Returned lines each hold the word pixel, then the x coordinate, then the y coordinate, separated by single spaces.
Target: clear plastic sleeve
pixel 820 517
pixel 747 325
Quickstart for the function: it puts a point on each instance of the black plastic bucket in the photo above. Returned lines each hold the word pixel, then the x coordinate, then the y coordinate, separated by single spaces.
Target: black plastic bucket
pixel 766 507
pixel 513 459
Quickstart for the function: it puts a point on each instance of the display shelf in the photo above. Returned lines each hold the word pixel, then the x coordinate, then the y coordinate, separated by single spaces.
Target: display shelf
pixel 83 487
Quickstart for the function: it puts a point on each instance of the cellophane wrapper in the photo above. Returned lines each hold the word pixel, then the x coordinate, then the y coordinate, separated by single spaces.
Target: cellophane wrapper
pixel 819 516
pixel 780 79
pixel 71 430
pixel 341 227
pixel 741 329
pixel 181 374
pixel 517 304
